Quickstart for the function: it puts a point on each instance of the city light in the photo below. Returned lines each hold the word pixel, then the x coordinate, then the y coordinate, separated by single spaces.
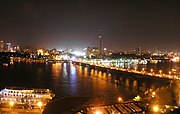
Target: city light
pixel 137 98
pixel 40 52
pixel 78 53
pixel 143 69
pixel 153 93
pixel 169 72
pixel 11 103
pixel 155 108
pixel 135 68
pixel 98 112
pixel 98 56
pixel 151 70
pixel 120 99
pixel 39 104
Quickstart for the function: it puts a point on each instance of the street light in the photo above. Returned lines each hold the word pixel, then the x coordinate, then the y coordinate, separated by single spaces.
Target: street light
pixel 120 99
pixel 160 71
pixel 135 68
pixel 169 72
pixel 11 103
pixel 143 72
pixel 98 112
pixel 155 108
pixel 151 70
pixel 39 104
pixel 142 69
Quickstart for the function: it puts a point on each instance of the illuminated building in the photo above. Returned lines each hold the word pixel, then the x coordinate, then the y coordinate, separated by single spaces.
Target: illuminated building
pixel 16 48
pixel 8 48
pixel 92 52
pixel 40 52
pixel 1 46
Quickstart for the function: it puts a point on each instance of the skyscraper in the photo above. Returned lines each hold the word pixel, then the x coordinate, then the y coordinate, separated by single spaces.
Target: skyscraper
pixel 8 48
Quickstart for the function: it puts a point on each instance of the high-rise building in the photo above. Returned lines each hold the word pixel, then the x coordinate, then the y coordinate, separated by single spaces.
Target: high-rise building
pixel 8 48
pixel 17 48
pixel 92 52
pixel 1 46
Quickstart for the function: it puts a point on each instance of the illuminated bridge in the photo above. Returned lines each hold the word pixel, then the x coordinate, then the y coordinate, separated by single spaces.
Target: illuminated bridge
pixel 115 66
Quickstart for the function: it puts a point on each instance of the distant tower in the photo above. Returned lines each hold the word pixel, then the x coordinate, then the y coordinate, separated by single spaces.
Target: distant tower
pixel 100 44
pixel 1 46
pixel 100 41
pixel 8 46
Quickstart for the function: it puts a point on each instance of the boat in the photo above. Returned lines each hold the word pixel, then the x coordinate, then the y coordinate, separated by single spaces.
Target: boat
pixel 28 96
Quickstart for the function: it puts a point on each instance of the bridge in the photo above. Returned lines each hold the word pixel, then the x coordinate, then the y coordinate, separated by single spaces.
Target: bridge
pixel 114 66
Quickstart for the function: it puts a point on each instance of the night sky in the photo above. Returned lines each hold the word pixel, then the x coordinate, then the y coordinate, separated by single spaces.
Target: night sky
pixel 124 24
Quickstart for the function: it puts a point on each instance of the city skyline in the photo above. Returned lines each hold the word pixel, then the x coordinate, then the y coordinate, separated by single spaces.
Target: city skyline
pixel 124 25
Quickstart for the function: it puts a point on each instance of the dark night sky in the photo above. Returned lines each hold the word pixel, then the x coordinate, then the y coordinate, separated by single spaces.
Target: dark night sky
pixel 59 24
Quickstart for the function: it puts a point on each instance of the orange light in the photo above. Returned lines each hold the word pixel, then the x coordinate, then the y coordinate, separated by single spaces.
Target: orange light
pixel 98 112
pixel 120 99
pixel 155 108
pixel 11 103
pixel 39 104
pixel 151 70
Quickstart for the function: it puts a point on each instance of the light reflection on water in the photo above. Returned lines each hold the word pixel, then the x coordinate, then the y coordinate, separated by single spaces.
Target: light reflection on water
pixel 66 79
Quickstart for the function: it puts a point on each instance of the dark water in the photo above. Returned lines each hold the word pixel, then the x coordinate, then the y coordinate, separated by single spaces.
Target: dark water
pixel 66 79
